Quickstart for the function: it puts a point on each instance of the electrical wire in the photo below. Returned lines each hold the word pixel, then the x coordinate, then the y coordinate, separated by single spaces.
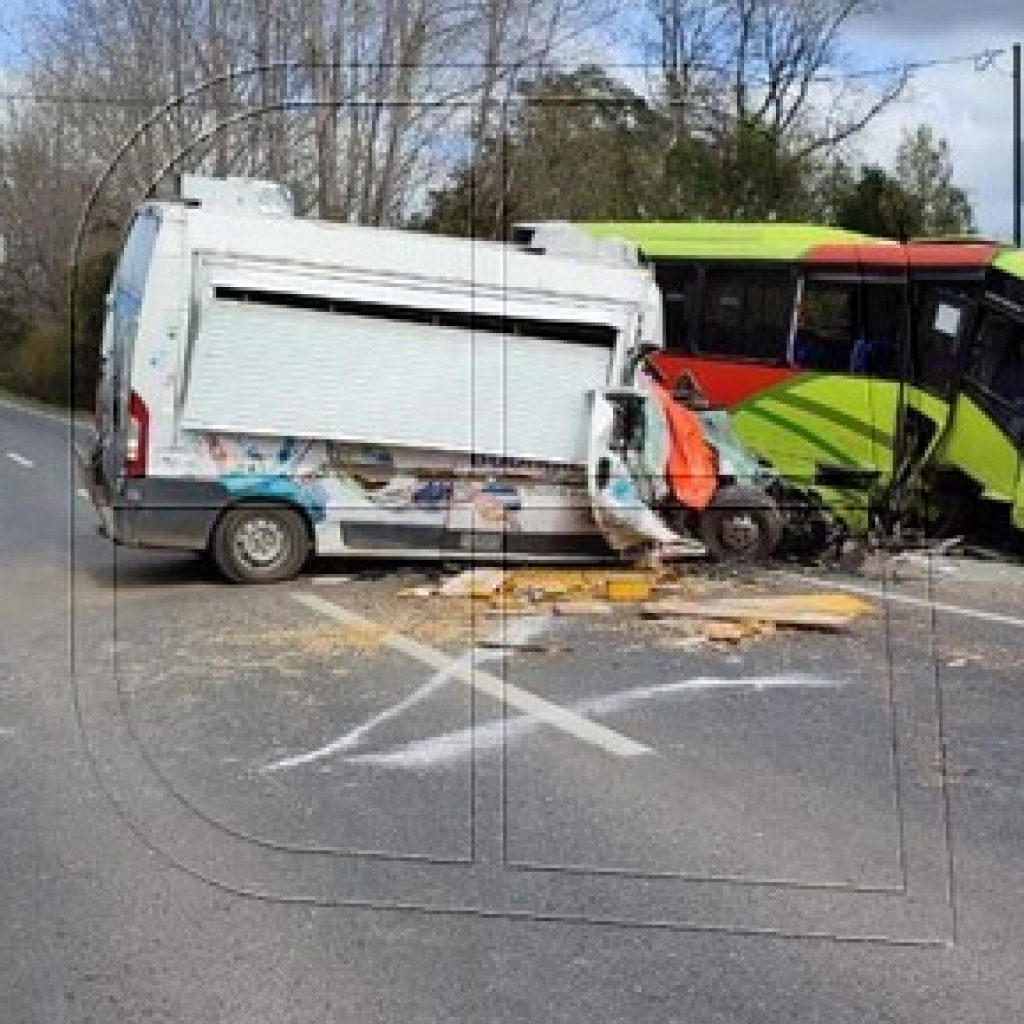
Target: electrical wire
pixel 982 60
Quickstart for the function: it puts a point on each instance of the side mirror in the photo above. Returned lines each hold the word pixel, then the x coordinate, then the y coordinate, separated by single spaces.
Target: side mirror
pixel 637 356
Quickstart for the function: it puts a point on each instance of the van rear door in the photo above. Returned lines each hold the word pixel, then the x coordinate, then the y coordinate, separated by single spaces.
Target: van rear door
pixel 120 433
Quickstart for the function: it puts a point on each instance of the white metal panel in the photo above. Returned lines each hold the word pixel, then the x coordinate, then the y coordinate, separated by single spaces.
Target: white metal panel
pixel 258 369
pixel 414 257
pixel 468 295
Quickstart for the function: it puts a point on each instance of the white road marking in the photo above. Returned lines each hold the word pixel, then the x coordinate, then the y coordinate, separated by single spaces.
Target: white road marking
pixel 524 630
pixel 542 710
pixel 329 581
pixel 917 602
pixel 448 748
pixel 20 460
pixel 80 420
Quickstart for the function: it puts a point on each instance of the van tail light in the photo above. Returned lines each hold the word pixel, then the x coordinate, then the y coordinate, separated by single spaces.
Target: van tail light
pixel 137 440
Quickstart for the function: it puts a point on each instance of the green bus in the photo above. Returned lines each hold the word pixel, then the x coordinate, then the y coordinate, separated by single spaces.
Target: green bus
pixel 888 376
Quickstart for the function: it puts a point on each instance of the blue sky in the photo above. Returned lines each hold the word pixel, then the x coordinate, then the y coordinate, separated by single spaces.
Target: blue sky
pixel 972 108
pixel 11 13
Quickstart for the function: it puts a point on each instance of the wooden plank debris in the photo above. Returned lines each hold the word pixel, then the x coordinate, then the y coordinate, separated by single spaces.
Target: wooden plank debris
pixel 474 583
pixel 825 612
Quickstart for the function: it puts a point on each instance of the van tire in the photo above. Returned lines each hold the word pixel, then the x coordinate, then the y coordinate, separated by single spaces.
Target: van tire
pixel 742 524
pixel 260 544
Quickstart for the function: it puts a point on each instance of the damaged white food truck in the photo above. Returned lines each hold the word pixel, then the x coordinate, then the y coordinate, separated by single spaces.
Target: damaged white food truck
pixel 273 386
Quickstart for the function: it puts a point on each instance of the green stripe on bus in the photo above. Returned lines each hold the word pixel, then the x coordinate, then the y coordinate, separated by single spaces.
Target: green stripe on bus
pixel 816 440
pixel 785 396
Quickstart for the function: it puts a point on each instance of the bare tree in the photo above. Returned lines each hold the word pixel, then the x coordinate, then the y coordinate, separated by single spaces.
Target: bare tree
pixel 358 104
pixel 777 65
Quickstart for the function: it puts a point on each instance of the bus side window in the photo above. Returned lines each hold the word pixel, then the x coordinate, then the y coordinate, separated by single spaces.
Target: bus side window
pixel 678 284
pixel 1000 366
pixel 826 326
pixel 747 313
pixel 883 331
pixel 936 344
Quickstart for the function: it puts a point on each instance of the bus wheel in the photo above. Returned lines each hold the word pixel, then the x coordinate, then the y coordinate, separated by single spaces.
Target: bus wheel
pixel 260 544
pixel 742 524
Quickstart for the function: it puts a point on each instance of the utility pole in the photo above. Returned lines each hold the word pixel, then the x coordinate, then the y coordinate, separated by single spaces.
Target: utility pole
pixel 1016 147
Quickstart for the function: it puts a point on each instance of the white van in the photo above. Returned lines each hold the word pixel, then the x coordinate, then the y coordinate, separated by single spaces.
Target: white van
pixel 273 385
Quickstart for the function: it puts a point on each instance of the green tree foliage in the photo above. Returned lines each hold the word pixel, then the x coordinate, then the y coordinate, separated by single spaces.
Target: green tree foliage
pixel 581 146
pixel 924 170
pixel 36 359
pixel 877 204
pixel 575 146
pixel 748 173
pixel 918 199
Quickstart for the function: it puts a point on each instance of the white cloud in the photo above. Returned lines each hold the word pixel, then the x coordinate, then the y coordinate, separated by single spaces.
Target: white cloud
pixel 973 110
pixel 931 20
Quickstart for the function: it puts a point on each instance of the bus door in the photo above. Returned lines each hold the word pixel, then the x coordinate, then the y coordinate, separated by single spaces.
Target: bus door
pixel 879 354
pixel 831 402
pixel 933 372
pixel 986 442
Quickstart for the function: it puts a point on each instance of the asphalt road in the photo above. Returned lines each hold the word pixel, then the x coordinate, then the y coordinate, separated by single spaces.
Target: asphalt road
pixel 246 806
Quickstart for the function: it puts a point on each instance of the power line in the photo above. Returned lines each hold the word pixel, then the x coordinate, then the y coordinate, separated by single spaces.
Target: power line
pixel 982 60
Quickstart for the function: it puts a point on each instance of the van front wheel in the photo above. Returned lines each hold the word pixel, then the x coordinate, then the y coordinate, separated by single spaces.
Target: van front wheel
pixel 260 544
pixel 742 524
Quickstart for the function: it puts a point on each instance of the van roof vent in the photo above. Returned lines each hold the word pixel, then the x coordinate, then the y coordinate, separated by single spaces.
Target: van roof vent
pixel 559 238
pixel 241 195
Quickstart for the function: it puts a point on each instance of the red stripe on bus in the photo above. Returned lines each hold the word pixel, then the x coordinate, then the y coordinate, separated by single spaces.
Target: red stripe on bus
pixel 724 382
pixel 914 254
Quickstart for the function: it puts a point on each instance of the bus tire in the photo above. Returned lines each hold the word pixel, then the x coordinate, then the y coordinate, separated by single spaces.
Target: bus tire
pixel 742 524
pixel 260 543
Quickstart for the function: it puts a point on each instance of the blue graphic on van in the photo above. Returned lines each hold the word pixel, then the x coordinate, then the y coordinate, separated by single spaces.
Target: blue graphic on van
pixel 309 495
pixel 432 494
pixel 504 492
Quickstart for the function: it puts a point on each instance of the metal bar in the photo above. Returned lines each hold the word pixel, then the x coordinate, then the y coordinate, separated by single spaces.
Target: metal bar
pixel 1016 145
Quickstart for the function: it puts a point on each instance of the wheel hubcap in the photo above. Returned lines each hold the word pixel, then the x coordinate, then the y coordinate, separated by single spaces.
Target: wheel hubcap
pixel 741 533
pixel 261 542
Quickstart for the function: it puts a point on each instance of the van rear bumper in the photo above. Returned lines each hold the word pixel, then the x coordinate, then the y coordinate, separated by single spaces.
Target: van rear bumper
pixel 166 513
pixel 154 513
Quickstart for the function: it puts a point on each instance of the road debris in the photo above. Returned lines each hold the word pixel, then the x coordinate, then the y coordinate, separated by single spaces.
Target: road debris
pixel 474 583
pixel 800 611
pixel 728 632
pixel 628 588
pixel 583 607
pixel 513 644
pixel 654 593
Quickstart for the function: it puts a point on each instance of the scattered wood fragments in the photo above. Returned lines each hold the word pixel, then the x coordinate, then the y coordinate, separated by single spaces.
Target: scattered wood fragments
pixel 833 612
pixel 474 583
pixel 576 591
pixel 687 643
pixel 656 594
pixel 725 632
pixel 582 607
pixel 630 588
pixel 525 646
pixel 504 609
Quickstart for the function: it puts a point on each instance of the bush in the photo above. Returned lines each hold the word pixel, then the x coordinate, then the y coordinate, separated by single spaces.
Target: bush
pixel 35 359
pixel 38 365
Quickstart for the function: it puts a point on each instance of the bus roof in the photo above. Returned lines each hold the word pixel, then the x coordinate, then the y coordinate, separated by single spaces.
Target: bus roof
pixel 724 240
pixel 812 243
pixel 1010 261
